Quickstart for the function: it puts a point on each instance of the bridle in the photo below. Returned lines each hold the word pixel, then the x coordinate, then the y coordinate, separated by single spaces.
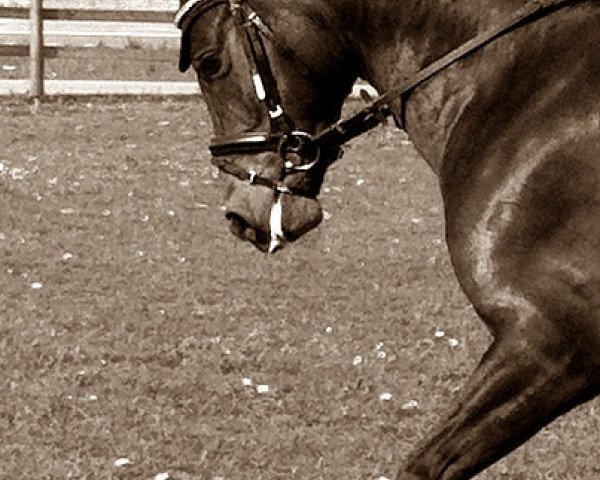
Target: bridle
pixel 283 137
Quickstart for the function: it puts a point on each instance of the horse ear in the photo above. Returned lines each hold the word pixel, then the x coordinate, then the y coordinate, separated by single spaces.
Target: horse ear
pixel 184 54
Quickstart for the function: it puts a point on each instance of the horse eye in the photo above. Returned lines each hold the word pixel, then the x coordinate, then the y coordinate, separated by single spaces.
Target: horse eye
pixel 208 66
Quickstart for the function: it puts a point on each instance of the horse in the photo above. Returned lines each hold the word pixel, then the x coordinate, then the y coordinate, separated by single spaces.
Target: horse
pixel 502 100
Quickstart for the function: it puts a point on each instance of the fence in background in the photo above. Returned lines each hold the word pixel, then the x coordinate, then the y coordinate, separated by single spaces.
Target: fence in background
pixel 37 52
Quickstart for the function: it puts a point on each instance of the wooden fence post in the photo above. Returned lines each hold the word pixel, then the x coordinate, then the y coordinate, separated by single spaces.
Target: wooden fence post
pixel 36 50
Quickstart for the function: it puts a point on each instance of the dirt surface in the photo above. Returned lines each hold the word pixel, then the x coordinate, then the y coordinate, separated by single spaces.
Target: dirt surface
pixel 133 326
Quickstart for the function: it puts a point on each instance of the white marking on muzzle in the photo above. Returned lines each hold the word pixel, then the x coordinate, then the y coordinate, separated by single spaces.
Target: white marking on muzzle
pixel 276 226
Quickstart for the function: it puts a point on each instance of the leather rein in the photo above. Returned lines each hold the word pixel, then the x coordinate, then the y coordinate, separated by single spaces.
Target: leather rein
pixel 284 138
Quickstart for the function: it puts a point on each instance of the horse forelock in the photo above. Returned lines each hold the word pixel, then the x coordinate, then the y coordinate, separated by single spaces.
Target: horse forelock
pixel 185 18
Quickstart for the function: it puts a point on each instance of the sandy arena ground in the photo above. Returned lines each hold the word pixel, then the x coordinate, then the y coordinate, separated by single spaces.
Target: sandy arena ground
pixel 135 327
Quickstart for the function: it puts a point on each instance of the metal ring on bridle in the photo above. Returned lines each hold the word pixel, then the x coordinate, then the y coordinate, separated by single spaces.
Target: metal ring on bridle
pixel 298 143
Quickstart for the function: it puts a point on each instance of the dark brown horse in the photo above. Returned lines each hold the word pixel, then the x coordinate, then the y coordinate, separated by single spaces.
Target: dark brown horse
pixel 502 98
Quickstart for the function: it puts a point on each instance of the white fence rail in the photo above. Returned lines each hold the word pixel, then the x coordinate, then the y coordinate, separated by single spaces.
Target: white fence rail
pixel 121 88
pixel 41 33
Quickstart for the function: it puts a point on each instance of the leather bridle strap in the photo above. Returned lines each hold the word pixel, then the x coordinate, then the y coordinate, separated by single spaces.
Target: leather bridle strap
pixel 253 178
pixel 346 129
pixel 262 74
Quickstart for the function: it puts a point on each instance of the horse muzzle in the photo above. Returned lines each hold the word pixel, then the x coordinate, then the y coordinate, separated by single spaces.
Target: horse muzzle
pixel 267 219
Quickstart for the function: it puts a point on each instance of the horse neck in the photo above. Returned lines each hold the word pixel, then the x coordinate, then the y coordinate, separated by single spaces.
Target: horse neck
pixel 398 38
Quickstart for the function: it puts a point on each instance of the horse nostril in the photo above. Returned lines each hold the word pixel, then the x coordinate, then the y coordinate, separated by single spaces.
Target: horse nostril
pixel 240 227
pixel 237 225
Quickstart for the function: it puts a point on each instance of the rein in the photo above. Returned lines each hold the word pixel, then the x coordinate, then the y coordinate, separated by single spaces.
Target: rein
pixel 374 114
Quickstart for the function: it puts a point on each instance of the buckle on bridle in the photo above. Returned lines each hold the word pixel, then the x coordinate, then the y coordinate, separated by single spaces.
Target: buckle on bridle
pixel 301 144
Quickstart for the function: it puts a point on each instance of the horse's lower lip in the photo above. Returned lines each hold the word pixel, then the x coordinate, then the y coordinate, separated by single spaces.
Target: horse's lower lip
pixel 237 225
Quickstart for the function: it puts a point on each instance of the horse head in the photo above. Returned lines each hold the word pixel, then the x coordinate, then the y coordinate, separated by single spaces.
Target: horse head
pixel 271 78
